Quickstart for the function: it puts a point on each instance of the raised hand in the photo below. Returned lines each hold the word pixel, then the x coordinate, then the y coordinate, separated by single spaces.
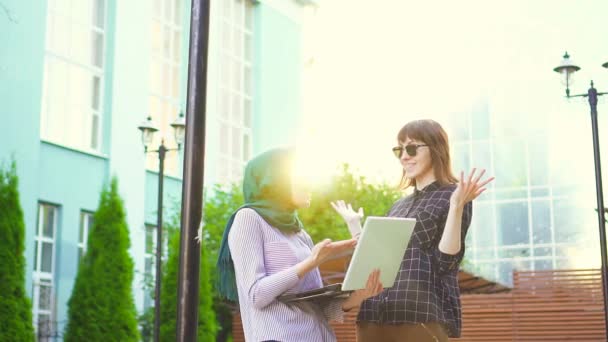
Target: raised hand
pixel 470 188
pixel 351 217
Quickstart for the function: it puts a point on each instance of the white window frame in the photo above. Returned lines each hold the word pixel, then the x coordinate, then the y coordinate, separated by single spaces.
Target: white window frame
pixel 51 57
pixel 40 278
pixel 236 27
pixel 86 218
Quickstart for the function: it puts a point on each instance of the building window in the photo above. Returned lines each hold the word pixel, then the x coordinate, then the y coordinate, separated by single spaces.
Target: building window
pixel 86 223
pixel 235 95
pixel 72 103
pixel 165 76
pixel 44 268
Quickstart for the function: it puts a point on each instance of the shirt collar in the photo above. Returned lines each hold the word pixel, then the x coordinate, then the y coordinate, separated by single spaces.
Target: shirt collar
pixel 431 187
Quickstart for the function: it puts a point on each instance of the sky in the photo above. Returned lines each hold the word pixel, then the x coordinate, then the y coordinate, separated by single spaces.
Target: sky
pixel 370 67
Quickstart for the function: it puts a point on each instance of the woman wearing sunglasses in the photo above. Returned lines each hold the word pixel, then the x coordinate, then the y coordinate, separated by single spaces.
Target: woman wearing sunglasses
pixel 265 253
pixel 424 303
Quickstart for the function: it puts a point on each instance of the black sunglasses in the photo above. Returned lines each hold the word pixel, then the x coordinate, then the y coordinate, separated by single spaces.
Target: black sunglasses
pixel 410 149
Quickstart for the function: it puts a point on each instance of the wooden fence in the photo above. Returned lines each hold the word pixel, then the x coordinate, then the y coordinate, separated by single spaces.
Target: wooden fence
pixel 555 305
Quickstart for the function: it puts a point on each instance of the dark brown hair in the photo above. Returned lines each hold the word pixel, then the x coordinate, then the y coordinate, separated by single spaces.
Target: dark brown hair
pixel 432 134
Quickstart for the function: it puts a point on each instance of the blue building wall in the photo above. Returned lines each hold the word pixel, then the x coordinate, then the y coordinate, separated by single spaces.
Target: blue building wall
pixel 73 179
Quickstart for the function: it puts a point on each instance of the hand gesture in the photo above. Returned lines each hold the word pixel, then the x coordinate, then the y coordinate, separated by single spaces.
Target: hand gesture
pixel 347 212
pixel 468 189
pixel 372 288
pixel 326 249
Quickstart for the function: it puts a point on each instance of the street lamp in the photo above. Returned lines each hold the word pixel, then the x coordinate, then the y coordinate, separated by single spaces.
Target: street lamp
pixel 148 129
pixel 567 69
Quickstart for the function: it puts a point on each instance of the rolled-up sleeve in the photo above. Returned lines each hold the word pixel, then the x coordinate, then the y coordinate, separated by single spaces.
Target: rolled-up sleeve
pixel 448 262
pixel 246 244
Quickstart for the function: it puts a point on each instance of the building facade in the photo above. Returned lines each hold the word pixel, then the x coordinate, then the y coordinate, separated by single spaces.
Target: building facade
pixel 81 75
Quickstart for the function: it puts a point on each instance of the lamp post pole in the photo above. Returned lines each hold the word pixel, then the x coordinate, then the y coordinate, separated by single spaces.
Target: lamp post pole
pixel 162 150
pixel 567 68
pixel 148 129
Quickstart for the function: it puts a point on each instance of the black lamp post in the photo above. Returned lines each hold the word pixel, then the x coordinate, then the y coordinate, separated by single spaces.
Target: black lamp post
pixel 567 69
pixel 148 129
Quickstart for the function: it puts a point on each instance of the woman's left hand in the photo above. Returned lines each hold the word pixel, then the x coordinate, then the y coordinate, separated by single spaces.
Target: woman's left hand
pixel 468 189
pixel 372 288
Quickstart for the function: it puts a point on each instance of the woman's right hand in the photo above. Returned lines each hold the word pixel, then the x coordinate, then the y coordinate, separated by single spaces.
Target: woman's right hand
pixel 350 216
pixel 327 249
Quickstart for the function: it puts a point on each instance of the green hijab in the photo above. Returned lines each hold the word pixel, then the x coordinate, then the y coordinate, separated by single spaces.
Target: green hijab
pixel 267 190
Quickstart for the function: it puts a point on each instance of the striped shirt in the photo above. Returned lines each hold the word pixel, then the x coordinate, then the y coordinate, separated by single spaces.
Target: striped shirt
pixel 264 264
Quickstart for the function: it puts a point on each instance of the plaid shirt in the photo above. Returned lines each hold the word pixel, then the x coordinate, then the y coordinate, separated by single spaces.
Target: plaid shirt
pixel 426 288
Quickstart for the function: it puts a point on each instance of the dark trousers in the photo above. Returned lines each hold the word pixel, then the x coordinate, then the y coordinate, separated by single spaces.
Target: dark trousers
pixel 421 332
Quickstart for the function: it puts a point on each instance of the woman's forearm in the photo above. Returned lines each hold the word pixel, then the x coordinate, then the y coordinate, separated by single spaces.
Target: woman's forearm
pixel 450 240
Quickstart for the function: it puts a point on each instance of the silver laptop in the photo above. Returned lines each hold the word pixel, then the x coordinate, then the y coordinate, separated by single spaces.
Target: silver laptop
pixel 382 245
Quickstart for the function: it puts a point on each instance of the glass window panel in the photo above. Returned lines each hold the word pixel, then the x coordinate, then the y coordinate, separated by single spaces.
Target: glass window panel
pixel 236 109
pixel 177 12
pixel 36 247
pixel 248 15
pixel 510 164
pixel 46 257
pixel 512 253
pixel 150 238
pixel 237 72
pixel 543 251
pixel 539 161
pixel 177 52
pixel 227 9
pixel 225 74
pixel 247 80
pixel 97 53
pixel 168 7
pixel 512 221
pixel 95 132
pixel 226 42
pixel 246 148
pixel 225 104
pixel 541 221
pixel 166 80
pixel 461 154
pixel 567 229
pixel 91 220
pixel 481 157
pixel 236 143
pixel 483 225
pixel 95 92
pixel 175 83
pixel 44 325
pixel 248 48
pixel 224 139
pixel 504 194
pixel 48 228
pixel 155 76
pixel 62 7
pixel 505 273
pixel 543 265
pixel 239 15
pixel 81 228
pixel 247 113
pixel 540 192
pixel 238 42
pixel 80 44
pixel 80 253
pixel 156 38
pixel 45 297
pixel 480 121
pixel 99 13
pixel 157 8
pixel 486 253
pixel 81 11
pixel 167 42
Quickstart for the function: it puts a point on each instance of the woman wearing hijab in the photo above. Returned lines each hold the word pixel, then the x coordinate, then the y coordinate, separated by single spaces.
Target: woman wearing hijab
pixel 265 253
